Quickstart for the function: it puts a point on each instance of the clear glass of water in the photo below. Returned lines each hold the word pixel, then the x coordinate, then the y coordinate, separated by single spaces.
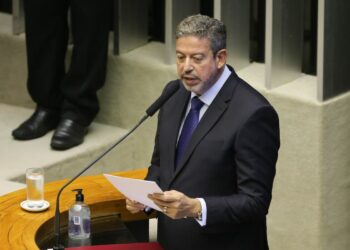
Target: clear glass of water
pixel 35 187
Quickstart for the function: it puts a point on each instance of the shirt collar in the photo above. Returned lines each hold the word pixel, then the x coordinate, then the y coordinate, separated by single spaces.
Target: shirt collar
pixel 212 92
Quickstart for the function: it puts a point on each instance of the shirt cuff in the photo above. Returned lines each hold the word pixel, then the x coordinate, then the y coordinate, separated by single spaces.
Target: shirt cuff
pixel 203 221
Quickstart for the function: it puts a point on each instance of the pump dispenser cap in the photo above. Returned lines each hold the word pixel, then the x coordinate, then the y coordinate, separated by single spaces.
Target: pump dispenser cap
pixel 79 196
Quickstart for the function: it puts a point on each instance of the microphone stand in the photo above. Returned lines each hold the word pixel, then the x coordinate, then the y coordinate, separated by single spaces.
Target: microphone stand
pixel 57 245
pixel 168 92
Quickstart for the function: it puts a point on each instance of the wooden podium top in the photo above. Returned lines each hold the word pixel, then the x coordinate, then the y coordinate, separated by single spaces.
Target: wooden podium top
pixel 19 228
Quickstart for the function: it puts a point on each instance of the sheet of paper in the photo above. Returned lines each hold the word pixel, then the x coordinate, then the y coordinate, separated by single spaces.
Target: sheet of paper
pixel 135 189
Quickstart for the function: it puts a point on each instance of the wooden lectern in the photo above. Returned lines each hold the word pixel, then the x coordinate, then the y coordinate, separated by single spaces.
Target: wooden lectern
pixel 32 230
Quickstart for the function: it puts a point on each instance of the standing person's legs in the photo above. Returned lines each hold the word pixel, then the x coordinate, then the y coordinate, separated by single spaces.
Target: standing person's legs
pixel 46 43
pixel 46 40
pixel 90 22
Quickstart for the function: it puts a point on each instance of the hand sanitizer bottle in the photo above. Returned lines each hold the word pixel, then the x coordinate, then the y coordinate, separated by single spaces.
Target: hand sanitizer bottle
pixel 79 218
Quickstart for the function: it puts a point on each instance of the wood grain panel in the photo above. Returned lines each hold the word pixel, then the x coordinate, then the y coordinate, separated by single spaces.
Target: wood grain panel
pixel 19 228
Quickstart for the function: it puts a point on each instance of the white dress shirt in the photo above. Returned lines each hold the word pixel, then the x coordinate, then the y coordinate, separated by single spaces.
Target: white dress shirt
pixel 207 98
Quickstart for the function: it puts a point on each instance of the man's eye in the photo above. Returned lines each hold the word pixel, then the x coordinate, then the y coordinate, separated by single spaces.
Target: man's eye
pixel 180 58
pixel 197 59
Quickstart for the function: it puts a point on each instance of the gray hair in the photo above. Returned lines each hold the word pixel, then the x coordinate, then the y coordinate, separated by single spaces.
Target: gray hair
pixel 204 27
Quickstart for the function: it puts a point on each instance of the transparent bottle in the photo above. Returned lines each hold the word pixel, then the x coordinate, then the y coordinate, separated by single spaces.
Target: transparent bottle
pixel 79 218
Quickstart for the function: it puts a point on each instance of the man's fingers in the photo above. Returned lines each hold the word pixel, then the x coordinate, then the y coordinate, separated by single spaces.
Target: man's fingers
pixel 134 206
pixel 156 196
pixel 133 203
pixel 167 196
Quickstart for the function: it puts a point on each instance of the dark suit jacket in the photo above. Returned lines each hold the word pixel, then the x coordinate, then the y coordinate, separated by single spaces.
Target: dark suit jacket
pixel 230 162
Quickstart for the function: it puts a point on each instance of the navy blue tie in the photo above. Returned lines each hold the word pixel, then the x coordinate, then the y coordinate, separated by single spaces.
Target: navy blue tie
pixel 189 126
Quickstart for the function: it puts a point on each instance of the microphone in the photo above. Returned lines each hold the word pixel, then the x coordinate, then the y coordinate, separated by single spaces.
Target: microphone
pixel 167 93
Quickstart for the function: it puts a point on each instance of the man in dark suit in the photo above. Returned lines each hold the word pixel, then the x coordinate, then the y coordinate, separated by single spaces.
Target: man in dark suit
pixel 66 101
pixel 219 173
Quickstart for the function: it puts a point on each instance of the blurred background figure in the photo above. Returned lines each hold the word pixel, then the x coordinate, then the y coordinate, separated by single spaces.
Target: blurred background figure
pixel 66 97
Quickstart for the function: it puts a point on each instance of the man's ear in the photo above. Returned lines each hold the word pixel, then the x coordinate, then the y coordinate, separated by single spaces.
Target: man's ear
pixel 220 58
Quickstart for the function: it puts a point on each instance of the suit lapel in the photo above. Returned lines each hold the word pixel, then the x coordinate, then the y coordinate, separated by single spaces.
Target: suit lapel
pixel 174 118
pixel 214 112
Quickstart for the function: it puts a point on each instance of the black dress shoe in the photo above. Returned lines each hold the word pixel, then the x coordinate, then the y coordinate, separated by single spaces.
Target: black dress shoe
pixel 68 134
pixel 41 122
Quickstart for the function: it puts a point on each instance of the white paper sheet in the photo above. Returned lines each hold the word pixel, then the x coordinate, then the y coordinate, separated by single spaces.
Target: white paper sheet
pixel 135 189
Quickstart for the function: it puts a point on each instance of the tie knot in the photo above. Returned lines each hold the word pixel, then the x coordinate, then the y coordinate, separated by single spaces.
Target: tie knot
pixel 196 103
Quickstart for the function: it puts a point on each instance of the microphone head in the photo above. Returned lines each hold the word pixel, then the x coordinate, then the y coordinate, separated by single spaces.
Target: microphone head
pixel 167 93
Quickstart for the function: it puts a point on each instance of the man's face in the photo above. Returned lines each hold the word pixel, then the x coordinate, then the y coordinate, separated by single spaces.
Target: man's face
pixel 197 67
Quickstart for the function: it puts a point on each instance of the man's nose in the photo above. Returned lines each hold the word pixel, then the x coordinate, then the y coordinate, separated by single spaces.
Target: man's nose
pixel 188 66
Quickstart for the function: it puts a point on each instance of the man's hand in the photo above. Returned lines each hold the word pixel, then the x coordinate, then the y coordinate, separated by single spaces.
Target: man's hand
pixel 134 206
pixel 176 205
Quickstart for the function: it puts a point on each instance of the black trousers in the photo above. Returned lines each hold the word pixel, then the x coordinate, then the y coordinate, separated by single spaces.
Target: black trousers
pixel 71 90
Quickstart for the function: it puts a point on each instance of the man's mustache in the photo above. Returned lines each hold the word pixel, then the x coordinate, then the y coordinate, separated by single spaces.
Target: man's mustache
pixel 188 76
